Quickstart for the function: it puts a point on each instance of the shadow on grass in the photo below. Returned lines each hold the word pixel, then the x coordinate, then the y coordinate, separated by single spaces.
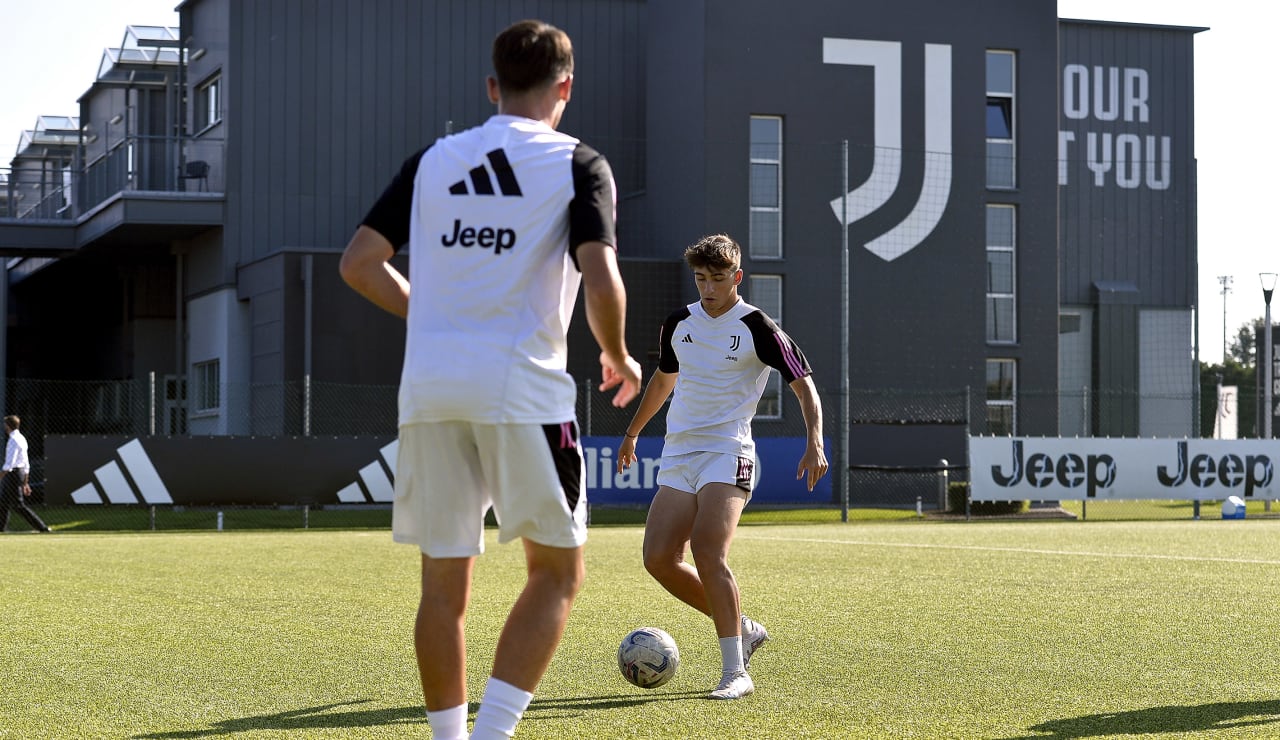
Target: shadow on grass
pixel 615 701
pixel 302 719
pixel 1158 720
pixel 321 717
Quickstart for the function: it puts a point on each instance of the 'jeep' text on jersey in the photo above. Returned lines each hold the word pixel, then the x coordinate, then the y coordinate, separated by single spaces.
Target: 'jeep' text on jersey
pixel 723 365
pixel 493 217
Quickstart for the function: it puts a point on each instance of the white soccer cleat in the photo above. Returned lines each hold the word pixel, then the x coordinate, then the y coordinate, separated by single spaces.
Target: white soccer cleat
pixel 753 636
pixel 734 686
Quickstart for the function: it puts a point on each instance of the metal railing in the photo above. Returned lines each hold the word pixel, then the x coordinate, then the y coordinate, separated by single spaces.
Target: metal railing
pixel 58 190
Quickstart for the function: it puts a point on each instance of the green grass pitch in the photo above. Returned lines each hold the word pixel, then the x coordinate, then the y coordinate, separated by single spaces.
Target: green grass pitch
pixel 881 629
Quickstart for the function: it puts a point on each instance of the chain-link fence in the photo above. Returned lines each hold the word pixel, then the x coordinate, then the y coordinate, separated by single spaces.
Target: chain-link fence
pixel 904 447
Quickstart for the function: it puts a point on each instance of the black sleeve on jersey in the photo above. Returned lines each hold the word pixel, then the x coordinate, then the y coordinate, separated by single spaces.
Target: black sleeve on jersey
pixel 391 214
pixel 667 360
pixel 775 348
pixel 591 212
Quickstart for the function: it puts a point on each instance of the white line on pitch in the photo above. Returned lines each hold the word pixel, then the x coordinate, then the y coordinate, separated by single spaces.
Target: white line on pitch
pixel 1022 550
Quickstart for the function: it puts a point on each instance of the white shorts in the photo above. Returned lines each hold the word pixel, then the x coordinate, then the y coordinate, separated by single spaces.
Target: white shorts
pixel 449 474
pixel 693 471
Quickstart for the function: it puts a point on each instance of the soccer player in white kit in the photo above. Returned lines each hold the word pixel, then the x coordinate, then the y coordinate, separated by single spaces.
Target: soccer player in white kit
pixel 715 355
pixel 503 222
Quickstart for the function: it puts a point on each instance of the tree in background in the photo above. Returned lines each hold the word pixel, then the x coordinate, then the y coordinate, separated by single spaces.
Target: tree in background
pixel 1244 348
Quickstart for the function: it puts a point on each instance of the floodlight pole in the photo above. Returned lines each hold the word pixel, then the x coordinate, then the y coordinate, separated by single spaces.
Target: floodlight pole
pixel 1268 280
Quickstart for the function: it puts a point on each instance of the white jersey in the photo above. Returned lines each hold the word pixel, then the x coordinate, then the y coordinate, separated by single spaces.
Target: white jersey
pixel 723 365
pixel 493 216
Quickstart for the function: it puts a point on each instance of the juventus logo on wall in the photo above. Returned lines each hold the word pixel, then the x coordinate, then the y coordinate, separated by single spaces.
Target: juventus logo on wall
pixel 885 58
pixel 481 184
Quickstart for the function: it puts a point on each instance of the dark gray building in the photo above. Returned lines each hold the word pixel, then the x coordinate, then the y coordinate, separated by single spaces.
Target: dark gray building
pixel 1018 204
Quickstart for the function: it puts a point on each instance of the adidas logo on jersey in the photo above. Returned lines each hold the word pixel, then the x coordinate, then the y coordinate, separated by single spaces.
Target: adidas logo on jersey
pixel 481 184
pixel 687 338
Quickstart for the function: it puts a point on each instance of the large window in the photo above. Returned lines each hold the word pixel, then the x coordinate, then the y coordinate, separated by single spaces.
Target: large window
pixel 1001 120
pixel 1002 275
pixel 1002 398
pixel 765 293
pixel 208 386
pixel 765 239
pixel 208 103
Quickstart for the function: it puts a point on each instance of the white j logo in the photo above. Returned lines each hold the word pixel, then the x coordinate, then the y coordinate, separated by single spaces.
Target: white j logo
pixel 885 57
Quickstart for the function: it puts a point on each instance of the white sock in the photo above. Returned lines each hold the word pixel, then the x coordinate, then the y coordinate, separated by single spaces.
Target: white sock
pixel 500 710
pixel 731 655
pixel 449 724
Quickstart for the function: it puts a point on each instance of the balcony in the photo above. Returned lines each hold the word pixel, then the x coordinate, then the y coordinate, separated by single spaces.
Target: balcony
pixel 141 189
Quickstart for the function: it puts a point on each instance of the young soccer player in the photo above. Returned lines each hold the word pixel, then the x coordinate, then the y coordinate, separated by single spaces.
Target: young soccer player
pixel 503 222
pixel 715 355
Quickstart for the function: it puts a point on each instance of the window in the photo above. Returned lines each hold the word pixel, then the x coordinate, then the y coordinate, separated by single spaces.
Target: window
pixel 765 293
pixel 1001 391
pixel 765 238
pixel 208 103
pixel 1001 121
pixel 1002 275
pixel 208 386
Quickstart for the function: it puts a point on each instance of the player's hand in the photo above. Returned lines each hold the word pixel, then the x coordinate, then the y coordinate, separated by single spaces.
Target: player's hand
pixel 622 374
pixel 626 453
pixel 814 464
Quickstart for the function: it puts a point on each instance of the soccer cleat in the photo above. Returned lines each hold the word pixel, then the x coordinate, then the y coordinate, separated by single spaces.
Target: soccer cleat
pixel 753 636
pixel 734 686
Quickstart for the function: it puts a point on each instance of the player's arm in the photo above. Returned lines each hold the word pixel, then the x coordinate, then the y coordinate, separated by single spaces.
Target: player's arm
pixel 655 394
pixel 814 461
pixel 366 267
pixel 606 307
pixel 366 262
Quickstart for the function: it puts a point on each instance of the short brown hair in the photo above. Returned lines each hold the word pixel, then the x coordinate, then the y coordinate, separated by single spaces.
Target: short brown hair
pixel 529 54
pixel 716 251
pixel 12 421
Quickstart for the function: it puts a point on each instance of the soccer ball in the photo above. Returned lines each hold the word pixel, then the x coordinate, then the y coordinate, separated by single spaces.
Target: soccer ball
pixel 648 657
pixel 1233 508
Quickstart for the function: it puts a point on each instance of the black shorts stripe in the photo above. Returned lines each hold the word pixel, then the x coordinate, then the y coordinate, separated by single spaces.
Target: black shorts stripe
pixel 562 441
pixel 746 472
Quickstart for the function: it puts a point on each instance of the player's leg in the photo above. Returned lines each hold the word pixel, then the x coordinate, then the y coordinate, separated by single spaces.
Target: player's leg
pixel 539 486
pixel 719 505
pixel 538 618
pixel 439 633
pixel 666 537
pixel 440 501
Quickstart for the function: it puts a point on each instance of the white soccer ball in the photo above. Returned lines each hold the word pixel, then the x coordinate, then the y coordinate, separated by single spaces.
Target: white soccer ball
pixel 1233 508
pixel 648 657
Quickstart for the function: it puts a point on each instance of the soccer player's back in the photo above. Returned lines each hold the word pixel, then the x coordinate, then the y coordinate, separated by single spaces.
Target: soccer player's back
pixel 504 222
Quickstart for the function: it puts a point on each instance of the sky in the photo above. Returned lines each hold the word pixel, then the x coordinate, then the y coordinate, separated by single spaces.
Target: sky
pixel 52 48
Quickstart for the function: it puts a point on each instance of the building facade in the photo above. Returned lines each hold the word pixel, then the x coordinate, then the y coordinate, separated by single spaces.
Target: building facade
pixel 1015 192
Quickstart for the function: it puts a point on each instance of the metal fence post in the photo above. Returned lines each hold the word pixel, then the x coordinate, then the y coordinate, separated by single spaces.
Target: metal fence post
pixel 943 484
pixel 151 403
pixel 306 405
